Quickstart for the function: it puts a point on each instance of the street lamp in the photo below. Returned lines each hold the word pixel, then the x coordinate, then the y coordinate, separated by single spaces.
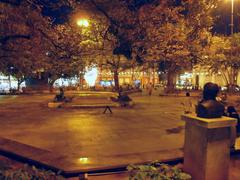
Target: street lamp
pixel 83 22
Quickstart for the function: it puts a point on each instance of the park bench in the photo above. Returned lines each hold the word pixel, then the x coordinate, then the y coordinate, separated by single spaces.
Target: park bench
pixel 69 105
pixel 55 104
pixel 105 106
pixel 92 105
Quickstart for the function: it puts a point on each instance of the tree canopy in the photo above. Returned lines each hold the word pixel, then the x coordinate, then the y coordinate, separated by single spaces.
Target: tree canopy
pixel 38 36
pixel 222 56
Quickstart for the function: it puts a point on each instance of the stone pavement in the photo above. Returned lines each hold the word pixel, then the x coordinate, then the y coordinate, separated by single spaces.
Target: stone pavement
pixel 88 139
pixel 234 172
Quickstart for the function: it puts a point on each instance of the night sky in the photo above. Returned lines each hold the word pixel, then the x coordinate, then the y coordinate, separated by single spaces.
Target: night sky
pixel 59 11
pixel 223 17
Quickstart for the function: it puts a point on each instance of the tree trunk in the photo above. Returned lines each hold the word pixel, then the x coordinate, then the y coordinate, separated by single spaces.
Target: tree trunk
pixel 224 75
pixel 116 80
pixel 19 82
pixel 170 81
pixel 9 80
pixel 171 78
pixel 81 80
pixel 232 79
pixel 18 86
pixel 51 82
pixel 235 76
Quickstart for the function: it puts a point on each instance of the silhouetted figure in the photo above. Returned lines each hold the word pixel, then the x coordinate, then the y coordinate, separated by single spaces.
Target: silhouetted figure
pixel 187 104
pixel 124 99
pixel 150 88
pixel 60 97
pixel 209 107
pixel 224 98
pixel 231 112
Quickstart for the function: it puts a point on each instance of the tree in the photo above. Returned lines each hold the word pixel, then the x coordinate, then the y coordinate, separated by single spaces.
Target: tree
pixel 165 39
pixel 114 62
pixel 32 44
pixel 20 40
pixel 222 55
pixel 176 33
pixel 113 28
pixel 150 31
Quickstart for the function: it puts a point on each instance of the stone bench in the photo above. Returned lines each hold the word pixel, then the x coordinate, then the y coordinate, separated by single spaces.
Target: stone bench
pixel 55 104
pixel 105 106
pixel 91 105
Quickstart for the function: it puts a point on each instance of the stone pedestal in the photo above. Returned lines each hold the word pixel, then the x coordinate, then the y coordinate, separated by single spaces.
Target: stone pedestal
pixel 207 147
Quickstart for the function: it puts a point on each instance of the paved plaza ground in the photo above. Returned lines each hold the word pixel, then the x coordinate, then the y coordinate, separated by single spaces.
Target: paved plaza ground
pixel 137 133
pixel 150 130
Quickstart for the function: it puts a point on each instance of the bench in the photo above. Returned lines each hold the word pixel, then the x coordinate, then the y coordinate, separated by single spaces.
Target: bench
pixel 105 106
pixel 55 104
pixel 92 105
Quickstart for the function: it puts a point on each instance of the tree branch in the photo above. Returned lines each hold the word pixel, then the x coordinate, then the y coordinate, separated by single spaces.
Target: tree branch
pixel 4 57
pixel 9 50
pixel 100 9
pixel 12 2
pixel 51 40
pixel 3 40
pixel 110 63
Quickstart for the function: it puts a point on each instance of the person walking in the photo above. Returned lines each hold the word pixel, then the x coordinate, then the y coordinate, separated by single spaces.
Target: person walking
pixel 187 104
pixel 150 88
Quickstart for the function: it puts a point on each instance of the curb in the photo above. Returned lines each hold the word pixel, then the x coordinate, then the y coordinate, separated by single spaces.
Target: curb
pixel 48 160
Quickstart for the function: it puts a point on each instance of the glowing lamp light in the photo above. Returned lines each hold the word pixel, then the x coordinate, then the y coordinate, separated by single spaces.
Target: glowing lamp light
pixel 83 22
pixel 83 160
pixel 91 76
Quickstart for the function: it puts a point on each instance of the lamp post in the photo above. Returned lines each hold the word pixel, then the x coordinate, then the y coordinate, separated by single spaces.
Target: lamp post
pixel 232 78
pixel 232 23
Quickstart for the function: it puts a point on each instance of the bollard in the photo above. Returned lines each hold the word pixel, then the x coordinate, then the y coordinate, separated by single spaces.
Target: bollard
pixel 207 147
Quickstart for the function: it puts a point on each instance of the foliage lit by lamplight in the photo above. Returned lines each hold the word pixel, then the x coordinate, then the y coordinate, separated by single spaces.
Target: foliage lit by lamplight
pixel 83 22
pixel 91 76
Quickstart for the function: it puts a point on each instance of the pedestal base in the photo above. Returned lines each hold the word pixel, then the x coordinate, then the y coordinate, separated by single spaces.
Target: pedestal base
pixel 207 147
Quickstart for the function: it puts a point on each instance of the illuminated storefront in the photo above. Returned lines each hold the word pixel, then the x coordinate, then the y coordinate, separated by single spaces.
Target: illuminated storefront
pixel 128 77
pixel 66 82
pixel 9 82
pixel 104 79
pixel 185 81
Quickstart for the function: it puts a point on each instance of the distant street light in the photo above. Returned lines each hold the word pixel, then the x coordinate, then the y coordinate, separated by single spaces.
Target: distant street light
pixel 83 22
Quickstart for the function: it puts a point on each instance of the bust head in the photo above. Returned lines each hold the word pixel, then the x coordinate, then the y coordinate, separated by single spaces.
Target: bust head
pixel 209 107
pixel 210 91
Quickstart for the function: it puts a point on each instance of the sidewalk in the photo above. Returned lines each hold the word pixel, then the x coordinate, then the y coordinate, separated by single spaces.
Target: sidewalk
pixel 234 172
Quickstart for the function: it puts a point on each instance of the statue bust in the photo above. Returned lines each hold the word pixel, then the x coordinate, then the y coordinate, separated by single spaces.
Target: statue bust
pixel 209 107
